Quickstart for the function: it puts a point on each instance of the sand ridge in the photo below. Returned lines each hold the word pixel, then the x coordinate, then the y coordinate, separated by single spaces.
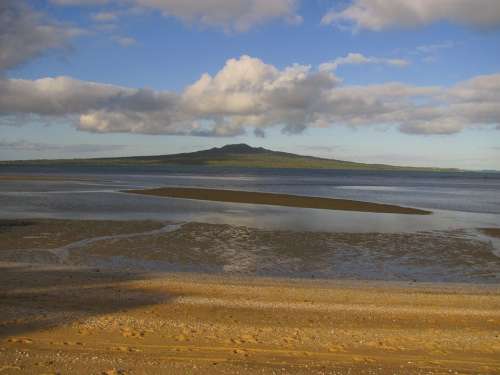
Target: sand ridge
pixel 238 196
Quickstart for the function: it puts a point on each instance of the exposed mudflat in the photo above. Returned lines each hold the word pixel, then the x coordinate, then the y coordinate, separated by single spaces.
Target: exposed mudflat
pixel 149 246
pixel 493 232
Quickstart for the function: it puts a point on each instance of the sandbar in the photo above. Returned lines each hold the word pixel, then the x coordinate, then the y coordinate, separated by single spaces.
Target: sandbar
pixel 492 232
pixel 287 200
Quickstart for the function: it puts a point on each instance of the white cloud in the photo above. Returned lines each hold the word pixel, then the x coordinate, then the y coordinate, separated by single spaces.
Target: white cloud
pixel 382 14
pixel 357 59
pixel 57 96
pixel 26 34
pixel 248 94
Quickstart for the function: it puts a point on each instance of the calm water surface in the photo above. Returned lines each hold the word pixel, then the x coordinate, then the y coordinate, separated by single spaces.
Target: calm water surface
pixel 458 200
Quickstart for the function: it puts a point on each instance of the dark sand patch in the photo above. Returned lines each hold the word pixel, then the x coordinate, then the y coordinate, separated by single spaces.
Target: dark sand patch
pixel 234 196
pixel 492 232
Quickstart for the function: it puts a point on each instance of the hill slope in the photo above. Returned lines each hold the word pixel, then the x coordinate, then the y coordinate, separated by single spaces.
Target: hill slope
pixel 235 155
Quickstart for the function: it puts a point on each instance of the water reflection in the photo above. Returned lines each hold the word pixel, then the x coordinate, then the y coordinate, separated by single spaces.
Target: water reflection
pixel 457 200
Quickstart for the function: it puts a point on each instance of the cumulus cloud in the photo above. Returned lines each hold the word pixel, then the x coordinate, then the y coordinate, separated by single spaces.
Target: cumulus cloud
pixel 358 58
pixel 248 94
pixel 382 14
pixel 477 100
pixel 25 34
pixel 63 95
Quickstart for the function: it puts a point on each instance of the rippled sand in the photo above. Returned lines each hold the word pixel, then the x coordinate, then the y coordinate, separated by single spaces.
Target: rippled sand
pixel 61 316
pixel 148 246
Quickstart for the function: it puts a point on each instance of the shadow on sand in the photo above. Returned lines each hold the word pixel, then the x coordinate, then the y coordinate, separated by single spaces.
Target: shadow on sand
pixel 39 298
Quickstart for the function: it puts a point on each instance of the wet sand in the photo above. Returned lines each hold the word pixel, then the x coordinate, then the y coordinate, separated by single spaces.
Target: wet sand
pixel 63 317
pixel 492 232
pixel 235 196
pixel 149 246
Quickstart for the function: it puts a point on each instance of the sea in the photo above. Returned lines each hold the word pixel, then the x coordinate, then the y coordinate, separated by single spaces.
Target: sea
pixel 457 199
pixel 461 203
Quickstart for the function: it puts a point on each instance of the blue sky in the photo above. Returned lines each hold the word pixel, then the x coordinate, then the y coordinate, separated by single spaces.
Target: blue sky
pixel 341 79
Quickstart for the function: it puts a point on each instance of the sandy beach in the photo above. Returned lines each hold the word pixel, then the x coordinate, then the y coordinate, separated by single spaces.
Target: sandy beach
pixel 62 316
pixel 74 321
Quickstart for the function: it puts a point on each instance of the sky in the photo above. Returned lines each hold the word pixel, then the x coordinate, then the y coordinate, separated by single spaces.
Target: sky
pixel 406 82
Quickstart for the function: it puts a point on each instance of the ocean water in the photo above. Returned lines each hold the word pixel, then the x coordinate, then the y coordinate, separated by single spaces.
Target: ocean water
pixel 444 246
pixel 458 200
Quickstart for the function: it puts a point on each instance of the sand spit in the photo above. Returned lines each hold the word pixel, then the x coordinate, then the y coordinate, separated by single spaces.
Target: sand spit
pixel 235 196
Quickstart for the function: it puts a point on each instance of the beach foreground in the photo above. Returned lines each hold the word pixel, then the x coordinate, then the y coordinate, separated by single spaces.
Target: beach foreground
pixel 81 321
pixel 64 312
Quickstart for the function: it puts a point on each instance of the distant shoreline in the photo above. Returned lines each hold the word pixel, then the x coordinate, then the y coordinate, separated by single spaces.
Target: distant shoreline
pixel 236 155
pixel 287 200
pixel 40 178
pixel 117 163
